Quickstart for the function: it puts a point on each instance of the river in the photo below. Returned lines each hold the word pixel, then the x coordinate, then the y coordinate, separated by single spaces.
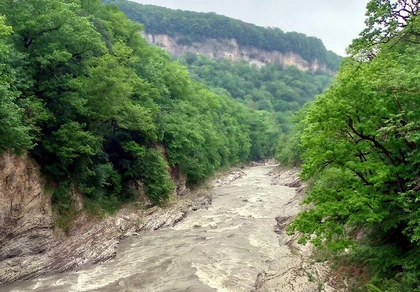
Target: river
pixel 222 248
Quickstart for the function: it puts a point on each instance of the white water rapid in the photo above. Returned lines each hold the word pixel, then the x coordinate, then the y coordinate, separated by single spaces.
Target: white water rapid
pixel 222 248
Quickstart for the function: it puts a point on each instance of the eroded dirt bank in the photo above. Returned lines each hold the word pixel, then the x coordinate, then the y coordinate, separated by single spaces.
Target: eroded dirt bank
pixel 31 246
pixel 236 244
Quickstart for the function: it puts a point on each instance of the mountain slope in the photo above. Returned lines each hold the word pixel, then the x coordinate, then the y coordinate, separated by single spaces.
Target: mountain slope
pixel 280 90
pixel 187 29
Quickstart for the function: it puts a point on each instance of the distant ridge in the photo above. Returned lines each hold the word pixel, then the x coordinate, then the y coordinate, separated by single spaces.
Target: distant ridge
pixel 188 27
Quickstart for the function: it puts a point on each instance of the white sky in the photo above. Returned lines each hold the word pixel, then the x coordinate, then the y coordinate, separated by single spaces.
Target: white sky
pixel 335 22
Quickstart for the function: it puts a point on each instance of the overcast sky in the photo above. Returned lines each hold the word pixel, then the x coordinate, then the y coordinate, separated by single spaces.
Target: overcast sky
pixel 335 22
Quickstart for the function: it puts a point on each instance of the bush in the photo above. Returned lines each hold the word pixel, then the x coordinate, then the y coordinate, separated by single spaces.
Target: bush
pixel 155 176
pixel 63 205
pixel 288 151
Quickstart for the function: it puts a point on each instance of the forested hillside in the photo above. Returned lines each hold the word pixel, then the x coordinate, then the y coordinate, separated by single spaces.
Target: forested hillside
pixel 194 27
pixel 94 104
pixel 273 88
pixel 278 89
pixel 360 141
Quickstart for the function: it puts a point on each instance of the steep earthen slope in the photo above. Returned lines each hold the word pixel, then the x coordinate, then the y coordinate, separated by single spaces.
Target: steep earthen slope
pixel 30 245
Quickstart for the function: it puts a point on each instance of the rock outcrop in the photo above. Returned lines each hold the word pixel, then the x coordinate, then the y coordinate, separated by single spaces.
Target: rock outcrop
pixel 229 49
pixel 26 221
pixel 30 245
pixel 298 272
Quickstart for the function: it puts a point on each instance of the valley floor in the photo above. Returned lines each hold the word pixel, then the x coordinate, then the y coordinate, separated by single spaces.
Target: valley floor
pixel 237 243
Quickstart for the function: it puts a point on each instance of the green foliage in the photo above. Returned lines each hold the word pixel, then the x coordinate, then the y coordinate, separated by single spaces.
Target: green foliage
pixel 384 22
pixel 14 134
pixel 360 144
pixel 205 133
pixel 156 178
pixel 102 187
pixel 68 143
pixel 63 205
pixel 288 150
pixel 271 88
pixel 88 97
pixel 194 26
pixel 276 92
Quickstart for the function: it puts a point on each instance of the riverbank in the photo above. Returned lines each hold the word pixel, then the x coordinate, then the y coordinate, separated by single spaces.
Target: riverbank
pixel 237 243
pixel 31 245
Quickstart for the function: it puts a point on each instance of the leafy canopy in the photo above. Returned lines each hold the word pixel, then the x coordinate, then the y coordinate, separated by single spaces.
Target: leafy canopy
pixel 360 142
pixel 103 112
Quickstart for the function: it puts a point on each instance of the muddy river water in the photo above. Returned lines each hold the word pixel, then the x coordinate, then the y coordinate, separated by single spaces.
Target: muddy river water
pixel 222 248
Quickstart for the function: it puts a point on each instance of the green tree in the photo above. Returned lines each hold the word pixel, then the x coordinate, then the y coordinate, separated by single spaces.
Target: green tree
pixel 81 86
pixel 156 177
pixel 360 146
pixel 14 134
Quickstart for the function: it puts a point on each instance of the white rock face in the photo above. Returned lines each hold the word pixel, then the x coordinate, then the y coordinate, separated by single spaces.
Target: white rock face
pixel 229 49
pixel 26 224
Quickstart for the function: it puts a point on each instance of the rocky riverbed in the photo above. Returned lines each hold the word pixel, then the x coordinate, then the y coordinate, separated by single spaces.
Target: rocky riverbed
pixel 237 243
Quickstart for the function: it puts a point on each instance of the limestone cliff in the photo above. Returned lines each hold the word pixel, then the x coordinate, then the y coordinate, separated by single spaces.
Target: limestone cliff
pixel 30 244
pixel 229 49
